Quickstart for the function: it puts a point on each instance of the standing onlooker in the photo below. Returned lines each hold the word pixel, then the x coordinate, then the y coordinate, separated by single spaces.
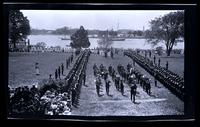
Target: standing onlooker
pixel 84 78
pixel 167 65
pixel 62 69
pixel 37 69
pixel 98 84
pixel 150 53
pixel 133 92
pixel 133 62
pixel 51 80
pixel 73 95
pixel 59 72
pixel 72 57
pixel 111 54
pixel 145 53
pixel 67 63
pixel 122 87
pixel 154 59
pixel 107 86
pixel 159 62
pixel 56 74
pixel 155 76
pixel 148 86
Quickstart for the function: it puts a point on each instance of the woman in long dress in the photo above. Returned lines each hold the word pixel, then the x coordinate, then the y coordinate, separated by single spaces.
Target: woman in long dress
pixel 37 69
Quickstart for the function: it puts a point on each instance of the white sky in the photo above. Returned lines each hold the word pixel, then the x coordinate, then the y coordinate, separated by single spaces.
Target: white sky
pixel 92 19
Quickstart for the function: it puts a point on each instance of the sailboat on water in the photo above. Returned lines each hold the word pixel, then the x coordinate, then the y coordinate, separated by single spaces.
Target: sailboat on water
pixel 115 38
pixel 109 37
pixel 65 38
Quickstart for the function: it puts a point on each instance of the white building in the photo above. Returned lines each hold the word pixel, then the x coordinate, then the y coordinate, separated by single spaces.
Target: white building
pixel 36 48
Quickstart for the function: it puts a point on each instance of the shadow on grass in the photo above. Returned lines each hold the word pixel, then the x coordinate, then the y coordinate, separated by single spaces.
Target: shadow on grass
pixel 125 95
pixel 100 95
pixel 158 86
pixel 75 105
pixel 137 103
pixel 152 95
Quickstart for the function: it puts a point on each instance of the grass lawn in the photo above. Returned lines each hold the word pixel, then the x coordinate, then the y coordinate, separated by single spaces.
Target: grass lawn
pixel 22 67
pixel 175 62
pixel 162 101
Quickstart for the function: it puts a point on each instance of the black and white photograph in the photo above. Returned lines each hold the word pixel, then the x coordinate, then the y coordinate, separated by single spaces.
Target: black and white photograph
pixel 96 62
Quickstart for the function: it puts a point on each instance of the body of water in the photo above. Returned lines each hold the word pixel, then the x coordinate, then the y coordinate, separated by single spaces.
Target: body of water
pixel 55 40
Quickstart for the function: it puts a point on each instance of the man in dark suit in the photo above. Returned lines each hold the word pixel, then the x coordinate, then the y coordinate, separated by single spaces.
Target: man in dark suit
pixel 133 91
pixel 98 84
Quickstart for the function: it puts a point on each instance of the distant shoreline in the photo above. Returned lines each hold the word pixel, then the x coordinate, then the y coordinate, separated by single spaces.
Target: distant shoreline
pixel 138 37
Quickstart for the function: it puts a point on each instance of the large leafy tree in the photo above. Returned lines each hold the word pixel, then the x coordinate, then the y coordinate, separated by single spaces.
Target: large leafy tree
pixel 80 39
pixel 41 44
pixel 166 29
pixel 19 27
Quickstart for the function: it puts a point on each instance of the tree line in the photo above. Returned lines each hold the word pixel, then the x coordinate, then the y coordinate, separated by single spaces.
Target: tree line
pixel 166 29
pixel 67 31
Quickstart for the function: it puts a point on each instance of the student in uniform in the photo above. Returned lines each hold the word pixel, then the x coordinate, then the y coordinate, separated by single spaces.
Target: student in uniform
pixel 95 66
pixel 117 82
pixel 154 59
pixel 84 78
pixel 167 65
pixel 128 67
pixel 155 80
pixel 68 61
pixel 159 62
pixel 150 53
pixel 107 86
pixel 110 69
pixel 62 69
pixel 37 69
pixel 98 83
pixel 72 57
pixel 133 91
pixel 59 72
pixel 145 54
pixel 56 74
pixel 122 87
pixel 67 64
pixel 105 75
pixel 133 62
pixel 111 54
pixel 148 86
pixel 51 81
pixel 73 92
